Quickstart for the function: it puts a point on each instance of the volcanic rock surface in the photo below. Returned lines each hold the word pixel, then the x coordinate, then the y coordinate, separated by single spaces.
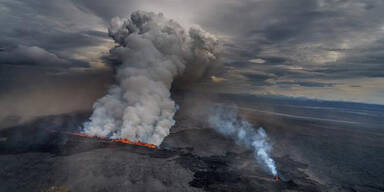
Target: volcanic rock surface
pixel 40 156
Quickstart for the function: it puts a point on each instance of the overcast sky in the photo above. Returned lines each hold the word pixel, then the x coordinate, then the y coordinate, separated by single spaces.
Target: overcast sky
pixel 326 49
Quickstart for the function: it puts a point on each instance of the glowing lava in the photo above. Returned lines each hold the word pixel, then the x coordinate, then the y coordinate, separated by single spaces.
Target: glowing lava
pixel 125 141
pixel 276 178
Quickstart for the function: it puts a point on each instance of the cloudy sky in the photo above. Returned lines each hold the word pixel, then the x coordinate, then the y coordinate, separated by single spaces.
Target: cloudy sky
pixel 326 49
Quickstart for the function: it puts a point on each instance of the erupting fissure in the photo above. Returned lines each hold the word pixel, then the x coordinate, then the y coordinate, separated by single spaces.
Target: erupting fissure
pixel 125 141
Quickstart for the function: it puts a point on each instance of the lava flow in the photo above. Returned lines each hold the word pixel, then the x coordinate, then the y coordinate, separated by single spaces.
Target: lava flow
pixel 125 141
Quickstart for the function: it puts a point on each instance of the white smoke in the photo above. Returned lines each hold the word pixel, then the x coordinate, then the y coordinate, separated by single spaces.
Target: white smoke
pixel 153 51
pixel 226 121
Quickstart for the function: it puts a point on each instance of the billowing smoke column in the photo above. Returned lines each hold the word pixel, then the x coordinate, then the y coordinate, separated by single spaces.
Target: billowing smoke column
pixel 226 121
pixel 152 51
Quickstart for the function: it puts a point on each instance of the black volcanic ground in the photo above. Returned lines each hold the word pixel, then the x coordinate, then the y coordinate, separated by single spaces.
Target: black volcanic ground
pixel 318 146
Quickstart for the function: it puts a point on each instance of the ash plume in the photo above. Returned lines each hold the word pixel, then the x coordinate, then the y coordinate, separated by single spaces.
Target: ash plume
pixel 152 52
pixel 226 121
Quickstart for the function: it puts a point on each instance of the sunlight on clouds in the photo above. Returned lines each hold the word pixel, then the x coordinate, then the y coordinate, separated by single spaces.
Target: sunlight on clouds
pixel 257 61
pixel 327 56
pixel 217 79
pixel 294 67
pixel 93 54
pixel 369 90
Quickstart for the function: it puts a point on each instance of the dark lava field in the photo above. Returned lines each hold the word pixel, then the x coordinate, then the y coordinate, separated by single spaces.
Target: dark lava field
pixel 317 146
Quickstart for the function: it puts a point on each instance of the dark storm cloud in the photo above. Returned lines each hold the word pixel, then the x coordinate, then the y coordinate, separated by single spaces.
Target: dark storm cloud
pixel 315 41
pixel 50 29
pixel 365 62
pixel 36 56
pixel 106 9
pixel 239 64
pixel 258 76
pixel 31 56
pixel 57 40
pixel 311 39
pixel 276 31
pixel 305 83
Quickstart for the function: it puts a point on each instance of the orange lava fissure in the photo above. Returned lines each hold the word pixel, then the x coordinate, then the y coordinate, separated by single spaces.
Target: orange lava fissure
pixel 125 141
